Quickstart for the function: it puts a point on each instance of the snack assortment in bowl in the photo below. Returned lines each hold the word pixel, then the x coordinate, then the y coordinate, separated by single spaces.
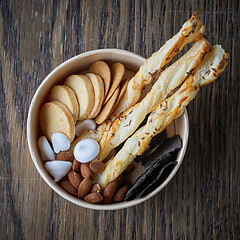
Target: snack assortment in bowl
pixel 98 128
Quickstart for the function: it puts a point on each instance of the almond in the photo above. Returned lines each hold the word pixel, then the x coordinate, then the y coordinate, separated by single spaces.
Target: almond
pixel 86 171
pixel 75 178
pixel 107 200
pixel 97 167
pixel 110 189
pixel 84 187
pixel 93 198
pixel 119 180
pixel 129 169
pixel 125 183
pixel 64 156
pixel 95 188
pixel 76 165
pixel 120 194
pixel 68 187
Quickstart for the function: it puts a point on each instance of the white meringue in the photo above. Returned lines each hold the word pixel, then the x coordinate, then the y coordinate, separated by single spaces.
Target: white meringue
pixel 60 142
pixel 58 169
pixel 86 150
pixel 45 149
pixel 83 126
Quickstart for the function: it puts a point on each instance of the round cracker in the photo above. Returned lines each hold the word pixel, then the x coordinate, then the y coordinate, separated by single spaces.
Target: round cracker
pixel 117 72
pixel 65 95
pixel 98 88
pixel 102 69
pixel 123 88
pixel 107 108
pixel 83 89
pixel 55 117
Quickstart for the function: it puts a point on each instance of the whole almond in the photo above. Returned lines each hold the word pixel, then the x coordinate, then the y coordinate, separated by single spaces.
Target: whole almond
pixel 64 156
pixel 129 169
pixel 68 187
pixel 110 189
pixel 95 188
pixel 97 167
pixel 107 200
pixel 76 165
pixel 84 187
pixel 93 198
pixel 120 194
pixel 86 172
pixel 119 180
pixel 75 178
pixel 125 183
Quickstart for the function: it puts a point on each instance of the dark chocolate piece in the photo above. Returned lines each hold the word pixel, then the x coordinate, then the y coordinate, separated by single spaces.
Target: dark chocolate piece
pixel 162 161
pixel 156 141
pixel 161 177
pixel 147 177
pixel 170 145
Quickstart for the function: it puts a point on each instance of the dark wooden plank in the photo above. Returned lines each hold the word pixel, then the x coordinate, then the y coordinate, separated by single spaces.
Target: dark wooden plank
pixel 201 202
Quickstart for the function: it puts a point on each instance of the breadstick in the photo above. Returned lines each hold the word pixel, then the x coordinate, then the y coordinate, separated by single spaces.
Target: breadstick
pixel 122 127
pixel 191 30
pixel 165 113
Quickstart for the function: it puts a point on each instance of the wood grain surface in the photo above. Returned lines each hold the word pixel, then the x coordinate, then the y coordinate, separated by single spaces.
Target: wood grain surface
pixel 201 202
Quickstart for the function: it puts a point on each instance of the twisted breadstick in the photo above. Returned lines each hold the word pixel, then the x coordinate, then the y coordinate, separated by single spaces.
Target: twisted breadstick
pixel 191 30
pixel 122 127
pixel 165 113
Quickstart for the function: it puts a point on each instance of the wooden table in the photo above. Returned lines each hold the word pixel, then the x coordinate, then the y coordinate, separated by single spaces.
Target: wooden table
pixel 201 202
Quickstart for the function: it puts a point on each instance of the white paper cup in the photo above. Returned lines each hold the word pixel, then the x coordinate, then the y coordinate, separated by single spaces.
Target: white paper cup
pixel 81 63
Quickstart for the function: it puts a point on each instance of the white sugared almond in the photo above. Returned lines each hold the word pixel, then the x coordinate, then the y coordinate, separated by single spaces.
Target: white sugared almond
pixel 86 150
pixel 83 126
pixel 45 149
pixel 58 169
pixel 60 142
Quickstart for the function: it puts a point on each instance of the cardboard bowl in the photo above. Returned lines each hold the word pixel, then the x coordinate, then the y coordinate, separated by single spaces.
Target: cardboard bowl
pixel 79 64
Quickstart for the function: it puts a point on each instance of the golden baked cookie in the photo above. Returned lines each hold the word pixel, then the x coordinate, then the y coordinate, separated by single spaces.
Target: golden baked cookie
pixel 98 88
pixel 117 72
pixel 107 108
pixel 82 87
pixel 123 88
pixel 102 69
pixel 65 95
pixel 56 117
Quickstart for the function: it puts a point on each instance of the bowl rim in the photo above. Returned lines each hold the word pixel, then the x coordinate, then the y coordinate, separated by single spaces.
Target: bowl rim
pixel 60 191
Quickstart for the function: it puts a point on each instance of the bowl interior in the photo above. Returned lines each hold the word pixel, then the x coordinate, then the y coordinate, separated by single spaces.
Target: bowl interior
pixel 79 64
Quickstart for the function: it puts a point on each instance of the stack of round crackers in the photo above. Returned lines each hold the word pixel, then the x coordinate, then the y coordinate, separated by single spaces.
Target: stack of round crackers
pixel 90 96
